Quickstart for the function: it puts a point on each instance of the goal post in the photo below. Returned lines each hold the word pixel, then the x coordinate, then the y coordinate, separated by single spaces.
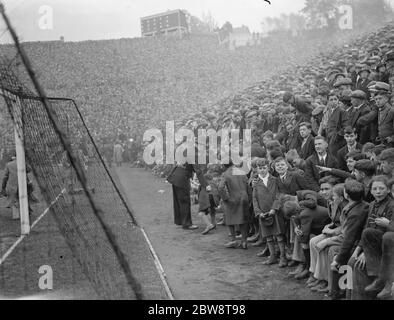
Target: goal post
pixel 22 184
pixel 22 212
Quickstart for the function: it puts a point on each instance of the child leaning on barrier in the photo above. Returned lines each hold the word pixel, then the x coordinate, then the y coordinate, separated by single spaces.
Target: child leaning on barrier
pixel 374 256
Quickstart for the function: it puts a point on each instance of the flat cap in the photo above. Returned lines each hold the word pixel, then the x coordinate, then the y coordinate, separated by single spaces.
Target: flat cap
pixel 382 87
pixel 390 56
pixel 343 82
pixel 349 130
pixel 287 96
pixel 387 155
pixel 359 94
pixel 318 109
pixel 364 68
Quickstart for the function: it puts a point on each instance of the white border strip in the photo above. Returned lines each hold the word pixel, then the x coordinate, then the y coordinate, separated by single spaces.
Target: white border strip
pixel 159 267
pixel 20 239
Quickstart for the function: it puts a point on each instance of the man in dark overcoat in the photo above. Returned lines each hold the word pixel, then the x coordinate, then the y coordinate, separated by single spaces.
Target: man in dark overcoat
pixel 180 177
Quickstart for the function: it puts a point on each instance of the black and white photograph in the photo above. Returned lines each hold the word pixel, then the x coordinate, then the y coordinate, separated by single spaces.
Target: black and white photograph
pixel 197 151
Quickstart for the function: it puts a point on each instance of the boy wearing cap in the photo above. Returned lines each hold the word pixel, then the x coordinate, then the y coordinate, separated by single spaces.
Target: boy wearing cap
pixel 363 80
pixel 360 109
pixel 385 115
pixel 386 159
pixel 390 67
pixel 303 108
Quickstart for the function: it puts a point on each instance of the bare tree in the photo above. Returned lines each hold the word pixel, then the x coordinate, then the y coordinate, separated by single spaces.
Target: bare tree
pixel 209 20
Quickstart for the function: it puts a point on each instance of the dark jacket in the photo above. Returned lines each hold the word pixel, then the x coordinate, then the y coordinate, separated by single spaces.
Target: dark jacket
pixel 312 174
pixel 303 108
pixel 310 199
pixel 369 120
pixel 337 121
pixel 363 130
pixel 292 183
pixel 341 156
pixel 293 140
pixel 383 209
pixel 355 215
pixel 180 175
pixel 386 122
pixel 313 216
pixel 257 151
pixel 308 148
pixel 209 199
pixel 236 193
pixel 312 221
pixel 363 85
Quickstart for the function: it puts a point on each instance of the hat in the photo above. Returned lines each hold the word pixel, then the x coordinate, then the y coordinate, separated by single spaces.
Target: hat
pixel 291 208
pixel 251 114
pixel 364 68
pixel 382 87
pixel 343 82
pixel 339 74
pixel 349 130
pixel 323 90
pixel 390 56
pixel 359 94
pixel 319 109
pixel 365 165
pixel 287 96
pixel 333 93
pixel 345 96
pixel 387 155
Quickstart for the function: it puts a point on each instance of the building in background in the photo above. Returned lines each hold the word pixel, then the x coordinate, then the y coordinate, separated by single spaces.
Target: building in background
pixel 238 37
pixel 173 22
pixel 241 37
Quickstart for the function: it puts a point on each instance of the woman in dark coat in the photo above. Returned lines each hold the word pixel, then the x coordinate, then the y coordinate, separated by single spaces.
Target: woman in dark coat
pixel 235 193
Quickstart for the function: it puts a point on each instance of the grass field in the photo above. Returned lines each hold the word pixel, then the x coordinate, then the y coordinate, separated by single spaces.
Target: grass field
pixel 45 245
pixel 196 266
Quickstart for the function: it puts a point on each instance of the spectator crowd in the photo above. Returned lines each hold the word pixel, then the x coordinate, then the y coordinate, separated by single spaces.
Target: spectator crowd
pixel 319 196
pixel 124 87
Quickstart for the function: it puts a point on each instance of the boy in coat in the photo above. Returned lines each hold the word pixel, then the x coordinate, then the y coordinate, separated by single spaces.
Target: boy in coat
pixel 265 193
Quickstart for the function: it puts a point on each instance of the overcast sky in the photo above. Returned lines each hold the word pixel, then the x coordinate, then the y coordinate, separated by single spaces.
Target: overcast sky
pixel 78 20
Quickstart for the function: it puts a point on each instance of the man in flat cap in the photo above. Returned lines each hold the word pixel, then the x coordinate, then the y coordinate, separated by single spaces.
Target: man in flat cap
pixel 382 74
pixel 179 177
pixel 385 114
pixel 390 68
pixel 343 84
pixel 363 80
pixel 386 159
pixel 302 106
pixel 360 109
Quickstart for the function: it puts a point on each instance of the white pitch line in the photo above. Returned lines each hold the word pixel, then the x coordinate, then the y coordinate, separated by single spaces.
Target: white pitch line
pixel 23 236
pixel 159 267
